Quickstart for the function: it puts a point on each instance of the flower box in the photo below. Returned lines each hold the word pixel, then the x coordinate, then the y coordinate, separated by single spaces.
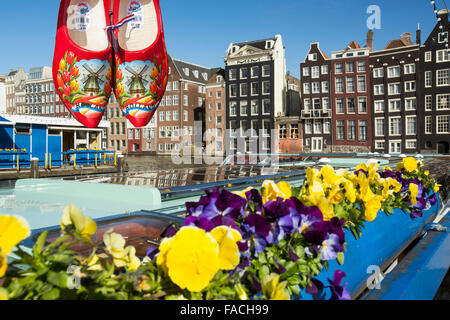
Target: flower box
pixel 381 242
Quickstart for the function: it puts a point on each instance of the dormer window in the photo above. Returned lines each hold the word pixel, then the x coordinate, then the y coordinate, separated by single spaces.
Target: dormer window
pixel 233 49
pixel 195 73
pixel 443 37
pixel 186 71
pixel 312 57
pixel 269 44
pixel 219 79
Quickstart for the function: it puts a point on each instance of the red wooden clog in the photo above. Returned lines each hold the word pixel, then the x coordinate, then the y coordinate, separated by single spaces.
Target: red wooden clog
pixel 142 65
pixel 81 64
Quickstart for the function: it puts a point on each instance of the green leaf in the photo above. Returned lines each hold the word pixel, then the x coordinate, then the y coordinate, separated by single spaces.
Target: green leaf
pixel 58 279
pixel 53 294
pixel 340 258
pixel 37 249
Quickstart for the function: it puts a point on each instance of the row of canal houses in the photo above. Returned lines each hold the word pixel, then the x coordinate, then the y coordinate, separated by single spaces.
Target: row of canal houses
pixel 394 100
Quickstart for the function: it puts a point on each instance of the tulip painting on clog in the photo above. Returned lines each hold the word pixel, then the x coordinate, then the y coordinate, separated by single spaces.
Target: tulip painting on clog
pixel 85 87
pixel 140 88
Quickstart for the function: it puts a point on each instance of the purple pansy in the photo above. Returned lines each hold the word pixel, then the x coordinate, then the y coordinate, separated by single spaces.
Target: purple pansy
pixel 330 247
pixel 339 292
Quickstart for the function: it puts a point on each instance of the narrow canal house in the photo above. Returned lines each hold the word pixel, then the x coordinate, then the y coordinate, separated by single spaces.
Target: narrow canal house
pixel 351 98
pixel 255 76
pixel 434 117
pixel 316 100
pixel 395 78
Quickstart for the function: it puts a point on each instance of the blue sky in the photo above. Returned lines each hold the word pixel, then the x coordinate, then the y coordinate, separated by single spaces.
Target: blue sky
pixel 200 31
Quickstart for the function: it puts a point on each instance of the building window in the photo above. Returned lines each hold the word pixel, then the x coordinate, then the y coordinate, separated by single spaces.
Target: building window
pixel 244 73
pixel 233 108
pixel 351 129
pixel 254 72
pixel 243 107
pixel 317 126
pixel 255 88
pixel 380 145
pixel 162 116
pixel 442 55
pixel 283 131
pixel 394 72
pixel 340 106
pixel 395 105
pixel 443 37
pixel 325 86
pixel 186 99
pixel 379 127
pixel 254 107
pixel 308 126
pixel 410 104
pixel 361 66
pixel 395 126
pixel 411 125
pixel 394 88
pixel 362 84
pixel 316 87
pixel 266 106
pixel 411 144
pixel 442 101
pixel 340 130
pixel 266 128
pixel 185 115
pixel 350 84
pixel 428 125
pixel 176 99
pixel 306 88
pixel 294 131
pixel 362 105
pixel 443 124
pixel 351 107
pixel 349 67
pixel 219 106
pixel 442 77
pixel 233 90
pixel 315 72
pixel 324 69
pixel 233 74
pixel 339 85
pixel 316 104
pixel 428 103
pixel 306 71
pixel 428 56
pixel 243 89
pixel 266 87
pixel 325 103
pixel 410 86
pixel 378 89
pixel 428 79
pixel 362 130
pixel 266 71
pixel 219 120
pixel 307 104
pixel 378 73
pixel 379 106
pixel 410 68
pixel 339 68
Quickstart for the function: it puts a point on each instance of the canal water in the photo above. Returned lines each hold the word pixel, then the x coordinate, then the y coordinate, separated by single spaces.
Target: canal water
pixel 141 163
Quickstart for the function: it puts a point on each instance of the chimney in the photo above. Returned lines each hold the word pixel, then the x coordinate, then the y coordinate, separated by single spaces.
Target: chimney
pixel 418 34
pixel 407 36
pixel 370 40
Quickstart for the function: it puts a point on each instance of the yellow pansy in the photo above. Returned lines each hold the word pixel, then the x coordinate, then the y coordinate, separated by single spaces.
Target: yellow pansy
pixel 410 164
pixel 437 187
pixel 335 195
pixel 324 205
pixel 13 229
pixel 350 191
pixel 273 289
pixel 314 183
pixel 387 168
pixel 93 264
pixel 365 193
pixel 192 259
pixel 413 191
pixel 3 264
pixel 272 191
pixel 85 226
pixel 115 245
pixel 372 207
pixel 427 173
pixel 329 177
pixel 389 187
pixel 133 262
pixel 227 238
pixel 162 256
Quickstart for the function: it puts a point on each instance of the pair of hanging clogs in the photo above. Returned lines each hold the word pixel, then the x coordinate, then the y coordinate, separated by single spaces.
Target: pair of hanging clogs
pixel 110 46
